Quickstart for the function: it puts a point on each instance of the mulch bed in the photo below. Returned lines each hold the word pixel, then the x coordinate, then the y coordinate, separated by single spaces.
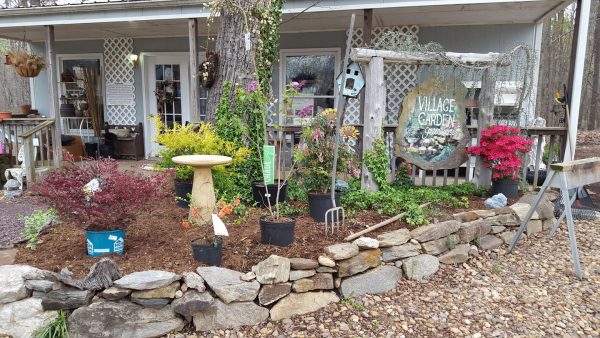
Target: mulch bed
pixel 156 240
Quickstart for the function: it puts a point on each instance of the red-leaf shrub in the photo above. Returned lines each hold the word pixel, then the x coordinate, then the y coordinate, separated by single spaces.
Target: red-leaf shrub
pixel 501 148
pixel 114 206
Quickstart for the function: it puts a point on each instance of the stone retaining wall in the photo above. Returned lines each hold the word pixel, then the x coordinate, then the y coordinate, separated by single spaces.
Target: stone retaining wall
pixel 155 303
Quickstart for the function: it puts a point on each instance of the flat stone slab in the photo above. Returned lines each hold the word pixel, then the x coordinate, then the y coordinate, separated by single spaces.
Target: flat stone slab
pixel 164 292
pixel 269 294
pixel 398 252
pixel 122 320
pixel 191 303
pixel 24 318
pixel 459 254
pixel 421 266
pixel 12 282
pixel 115 293
pixel 435 231
pixel 146 280
pixel 302 303
pixel 521 210
pixel 378 280
pixel 220 316
pixel 320 281
pixel 66 299
pixel 41 285
pixel 341 251
pixel 490 242
pixel 194 281
pixel 473 230
pixel 366 259
pixel 393 238
pixel 366 243
pixel 303 264
pixel 273 270
pixel 227 284
pixel 440 245
pixel 299 274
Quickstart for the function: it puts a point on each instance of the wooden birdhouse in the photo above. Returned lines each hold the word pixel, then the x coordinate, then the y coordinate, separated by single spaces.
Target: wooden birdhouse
pixel 355 81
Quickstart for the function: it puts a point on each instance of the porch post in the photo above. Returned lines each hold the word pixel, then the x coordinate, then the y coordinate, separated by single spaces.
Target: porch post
pixel 576 75
pixel 483 175
pixel 375 97
pixel 53 91
pixel 194 83
pixel 367 27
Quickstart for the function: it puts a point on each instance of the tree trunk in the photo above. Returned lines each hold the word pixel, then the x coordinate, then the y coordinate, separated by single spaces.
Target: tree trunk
pixel 236 63
pixel 595 106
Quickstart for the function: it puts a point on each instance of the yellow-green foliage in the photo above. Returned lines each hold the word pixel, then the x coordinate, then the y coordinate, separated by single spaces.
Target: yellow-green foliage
pixel 184 140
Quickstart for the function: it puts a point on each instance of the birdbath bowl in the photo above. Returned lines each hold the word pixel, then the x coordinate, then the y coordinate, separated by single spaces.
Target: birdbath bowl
pixel 203 202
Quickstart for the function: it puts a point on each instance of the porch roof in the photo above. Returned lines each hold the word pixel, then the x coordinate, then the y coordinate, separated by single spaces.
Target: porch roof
pixel 159 18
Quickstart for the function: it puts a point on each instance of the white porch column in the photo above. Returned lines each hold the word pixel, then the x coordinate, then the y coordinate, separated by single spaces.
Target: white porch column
pixel 53 91
pixel 375 97
pixel 583 20
pixel 194 83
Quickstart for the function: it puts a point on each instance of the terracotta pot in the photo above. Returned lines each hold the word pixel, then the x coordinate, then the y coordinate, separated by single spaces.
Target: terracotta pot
pixel 26 109
pixel 5 115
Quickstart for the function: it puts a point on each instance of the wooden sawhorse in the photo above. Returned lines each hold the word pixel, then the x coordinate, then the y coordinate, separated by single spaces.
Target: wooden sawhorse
pixel 565 176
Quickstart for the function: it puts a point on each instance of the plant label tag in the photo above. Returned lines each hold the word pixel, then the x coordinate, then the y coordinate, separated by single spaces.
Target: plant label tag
pixel 269 164
pixel 248 43
pixel 112 238
pixel 219 227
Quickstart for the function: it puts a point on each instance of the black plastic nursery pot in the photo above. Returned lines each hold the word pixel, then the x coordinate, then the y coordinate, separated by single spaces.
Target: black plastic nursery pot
pixel 319 203
pixel 208 253
pixel 182 190
pixel 258 193
pixel 277 233
pixel 541 176
pixel 91 149
pixel 509 188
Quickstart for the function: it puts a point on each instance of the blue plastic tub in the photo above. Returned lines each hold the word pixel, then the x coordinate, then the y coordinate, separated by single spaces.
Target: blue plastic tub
pixel 105 242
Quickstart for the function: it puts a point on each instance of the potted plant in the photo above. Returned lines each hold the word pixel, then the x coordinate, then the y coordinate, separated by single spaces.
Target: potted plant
pixel 211 252
pixel 314 155
pixel 26 65
pixel 501 148
pixel 100 199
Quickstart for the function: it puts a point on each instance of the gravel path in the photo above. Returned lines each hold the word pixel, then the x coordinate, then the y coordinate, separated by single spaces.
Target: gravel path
pixel 530 293
pixel 10 210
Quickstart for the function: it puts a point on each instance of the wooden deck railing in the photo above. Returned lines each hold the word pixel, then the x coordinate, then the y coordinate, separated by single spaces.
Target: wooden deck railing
pixel 35 137
pixel 554 138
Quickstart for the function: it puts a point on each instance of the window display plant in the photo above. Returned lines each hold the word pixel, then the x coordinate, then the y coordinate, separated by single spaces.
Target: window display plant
pixel 502 149
pixel 100 198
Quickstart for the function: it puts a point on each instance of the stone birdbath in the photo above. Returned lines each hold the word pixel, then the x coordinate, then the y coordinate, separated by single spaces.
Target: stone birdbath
pixel 203 202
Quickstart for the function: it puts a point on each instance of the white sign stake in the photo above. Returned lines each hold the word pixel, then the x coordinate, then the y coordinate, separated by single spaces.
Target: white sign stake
pixel 219 226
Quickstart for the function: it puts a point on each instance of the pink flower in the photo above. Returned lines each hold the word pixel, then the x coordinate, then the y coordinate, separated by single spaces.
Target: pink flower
pixel 317 134
pixel 298 85
pixel 306 111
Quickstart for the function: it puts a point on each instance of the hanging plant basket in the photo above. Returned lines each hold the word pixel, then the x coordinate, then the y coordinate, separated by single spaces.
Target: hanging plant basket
pixel 25 71
pixel 208 69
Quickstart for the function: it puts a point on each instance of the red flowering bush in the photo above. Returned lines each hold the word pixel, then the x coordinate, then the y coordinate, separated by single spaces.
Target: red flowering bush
pixel 501 149
pixel 108 206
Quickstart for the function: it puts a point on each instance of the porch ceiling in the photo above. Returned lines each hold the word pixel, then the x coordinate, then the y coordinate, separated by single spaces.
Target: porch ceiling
pixel 317 18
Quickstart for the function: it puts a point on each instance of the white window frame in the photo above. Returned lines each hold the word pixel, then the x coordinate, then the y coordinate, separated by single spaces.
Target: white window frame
pixel 336 52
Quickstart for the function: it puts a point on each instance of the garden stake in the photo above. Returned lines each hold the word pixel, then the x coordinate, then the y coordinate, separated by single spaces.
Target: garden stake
pixel 332 216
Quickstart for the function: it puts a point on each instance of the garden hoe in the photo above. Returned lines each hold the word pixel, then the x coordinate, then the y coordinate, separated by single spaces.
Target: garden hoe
pixel 335 217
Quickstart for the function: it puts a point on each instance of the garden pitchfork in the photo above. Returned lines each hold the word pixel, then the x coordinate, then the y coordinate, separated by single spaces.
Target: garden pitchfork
pixel 333 220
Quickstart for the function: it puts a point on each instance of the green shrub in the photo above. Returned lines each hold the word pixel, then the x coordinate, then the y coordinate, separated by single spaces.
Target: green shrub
pixel 33 225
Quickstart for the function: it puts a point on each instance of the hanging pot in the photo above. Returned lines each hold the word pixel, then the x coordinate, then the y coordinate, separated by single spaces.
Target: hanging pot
pixel 507 187
pixel 277 232
pixel 319 203
pixel 25 71
pixel 258 193
pixel 208 253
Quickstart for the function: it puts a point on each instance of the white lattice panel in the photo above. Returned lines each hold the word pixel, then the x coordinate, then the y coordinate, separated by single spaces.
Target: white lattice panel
pixel 399 78
pixel 118 69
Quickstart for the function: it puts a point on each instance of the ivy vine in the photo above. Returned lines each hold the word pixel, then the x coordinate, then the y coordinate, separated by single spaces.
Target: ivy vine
pixel 267 52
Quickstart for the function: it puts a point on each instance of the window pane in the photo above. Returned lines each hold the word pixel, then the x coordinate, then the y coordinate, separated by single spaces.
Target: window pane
pixel 168 72
pixel 159 73
pixel 176 75
pixel 317 70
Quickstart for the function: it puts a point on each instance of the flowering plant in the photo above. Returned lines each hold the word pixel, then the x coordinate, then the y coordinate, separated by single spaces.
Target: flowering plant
pixel 500 149
pixel 314 155
pixel 165 92
pixel 107 205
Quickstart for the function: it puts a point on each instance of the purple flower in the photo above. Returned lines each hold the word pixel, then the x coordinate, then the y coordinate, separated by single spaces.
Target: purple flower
pixel 298 85
pixel 252 86
pixel 306 111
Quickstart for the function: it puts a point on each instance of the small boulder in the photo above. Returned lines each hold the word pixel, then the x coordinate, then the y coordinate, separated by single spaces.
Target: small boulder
pixel 521 210
pixel 299 274
pixel 393 238
pixel 507 236
pixel 496 202
pixel 12 282
pixel 326 269
pixel 398 252
pixel 326 261
pixel 191 303
pixel 194 281
pixel 303 264
pixel 473 230
pixel 459 254
pixel 41 285
pixel 485 213
pixel 248 276
pixel 320 281
pixel 273 270
pixel 227 284
pixel 534 226
pixel 66 299
pixel 466 216
pixel 302 303
pixel 421 266
pixel 115 293
pixel 154 303
pixel 439 246
pixel 269 294
pixel 164 292
pixel 435 231
pixel 509 219
pixel 545 209
pixel 366 243
pixel 378 280
pixel 490 242
pixel 341 251
pixel 496 229
pixel 364 260
pixel 146 280
pixel 221 316
pixel 24 318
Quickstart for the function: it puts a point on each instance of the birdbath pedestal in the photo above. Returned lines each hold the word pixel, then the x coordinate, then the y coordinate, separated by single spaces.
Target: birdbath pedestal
pixel 203 202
